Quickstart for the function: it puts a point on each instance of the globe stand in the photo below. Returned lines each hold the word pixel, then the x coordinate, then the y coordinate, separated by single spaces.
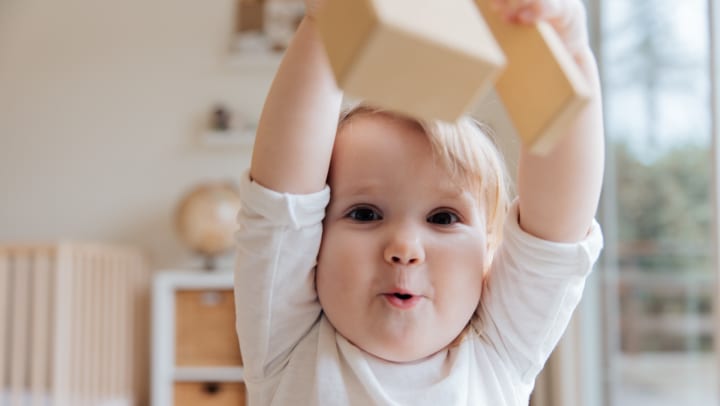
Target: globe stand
pixel 209 263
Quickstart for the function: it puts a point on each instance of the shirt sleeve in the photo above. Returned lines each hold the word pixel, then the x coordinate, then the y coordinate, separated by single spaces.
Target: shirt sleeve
pixel 530 293
pixel 275 299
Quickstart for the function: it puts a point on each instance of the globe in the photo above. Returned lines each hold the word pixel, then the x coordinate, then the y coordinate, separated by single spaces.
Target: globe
pixel 205 219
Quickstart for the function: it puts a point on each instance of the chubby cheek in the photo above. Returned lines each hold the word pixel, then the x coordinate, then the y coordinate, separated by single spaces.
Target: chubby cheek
pixel 458 275
pixel 342 257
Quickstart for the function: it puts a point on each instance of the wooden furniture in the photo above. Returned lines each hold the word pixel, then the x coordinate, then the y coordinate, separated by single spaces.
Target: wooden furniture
pixel 196 356
pixel 73 324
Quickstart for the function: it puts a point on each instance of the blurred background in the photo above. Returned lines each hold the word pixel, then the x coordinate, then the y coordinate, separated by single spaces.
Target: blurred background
pixel 658 275
pixel 111 112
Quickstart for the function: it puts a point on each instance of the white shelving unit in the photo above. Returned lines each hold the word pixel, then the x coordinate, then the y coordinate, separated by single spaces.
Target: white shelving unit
pixel 255 60
pixel 216 374
pixel 244 137
pixel 165 372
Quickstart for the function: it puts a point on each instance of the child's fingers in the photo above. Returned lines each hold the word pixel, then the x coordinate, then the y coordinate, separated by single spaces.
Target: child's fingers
pixel 311 7
pixel 567 17
pixel 519 11
pixel 533 10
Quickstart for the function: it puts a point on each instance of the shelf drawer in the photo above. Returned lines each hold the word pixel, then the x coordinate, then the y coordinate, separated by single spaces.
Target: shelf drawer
pixel 209 393
pixel 205 328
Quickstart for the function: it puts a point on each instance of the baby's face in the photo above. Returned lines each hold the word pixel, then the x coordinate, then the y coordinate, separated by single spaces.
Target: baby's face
pixel 401 263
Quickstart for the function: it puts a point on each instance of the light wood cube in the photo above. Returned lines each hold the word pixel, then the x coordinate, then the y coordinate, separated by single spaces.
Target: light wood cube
pixel 425 58
pixel 542 88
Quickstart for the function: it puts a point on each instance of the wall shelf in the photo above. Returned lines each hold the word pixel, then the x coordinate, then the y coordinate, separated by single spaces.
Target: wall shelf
pixel 265 61
pixel 230 137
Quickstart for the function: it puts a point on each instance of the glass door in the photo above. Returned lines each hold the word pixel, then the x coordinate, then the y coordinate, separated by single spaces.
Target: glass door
pixel 658 271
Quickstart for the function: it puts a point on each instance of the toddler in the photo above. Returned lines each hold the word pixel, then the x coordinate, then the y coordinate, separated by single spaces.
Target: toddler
pixel 381 260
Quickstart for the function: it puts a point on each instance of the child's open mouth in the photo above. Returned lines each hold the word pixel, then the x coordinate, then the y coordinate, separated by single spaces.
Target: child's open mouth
pixel 402 300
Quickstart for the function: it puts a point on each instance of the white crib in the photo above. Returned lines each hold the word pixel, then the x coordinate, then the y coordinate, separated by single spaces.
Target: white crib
pixel 73 325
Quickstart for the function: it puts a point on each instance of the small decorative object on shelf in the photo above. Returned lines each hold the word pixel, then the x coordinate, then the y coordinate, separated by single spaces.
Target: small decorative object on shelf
pixel 205 220
pixel 263 30
pixel 226 128
pixel 220 119
pixel 282 18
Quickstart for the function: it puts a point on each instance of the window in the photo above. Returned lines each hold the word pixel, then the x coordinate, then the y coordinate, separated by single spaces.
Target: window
pixel 658 272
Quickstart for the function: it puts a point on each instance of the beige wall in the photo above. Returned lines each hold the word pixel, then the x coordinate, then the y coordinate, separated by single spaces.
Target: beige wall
pixel 101 104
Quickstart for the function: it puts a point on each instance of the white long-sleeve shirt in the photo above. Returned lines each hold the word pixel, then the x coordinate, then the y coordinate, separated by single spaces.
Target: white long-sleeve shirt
pixel 293 355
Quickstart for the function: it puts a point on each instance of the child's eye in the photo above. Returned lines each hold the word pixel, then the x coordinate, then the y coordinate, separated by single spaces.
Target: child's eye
pixel 364 214
pixel 443 218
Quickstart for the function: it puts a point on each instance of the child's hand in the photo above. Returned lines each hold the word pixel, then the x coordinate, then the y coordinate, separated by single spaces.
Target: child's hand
pixel 566 16
pixel 312 6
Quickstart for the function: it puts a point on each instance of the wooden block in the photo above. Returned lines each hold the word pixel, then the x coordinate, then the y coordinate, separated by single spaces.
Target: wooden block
pixel 209 394
pixel 205 328
pixel 425 58
pixel 542 88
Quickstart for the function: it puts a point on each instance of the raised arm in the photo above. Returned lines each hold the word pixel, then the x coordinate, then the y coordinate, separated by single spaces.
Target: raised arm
pixel 559 192
pixel 278 237
pixel 297 128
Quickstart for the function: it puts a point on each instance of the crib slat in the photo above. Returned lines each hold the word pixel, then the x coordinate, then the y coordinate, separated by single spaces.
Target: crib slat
pixel 41 334
pixel 84 336
pixel 104 317
pixel 52 324
pixel 63 347
pixel 124 366
pixel 4 319
pixel 19 330
pixel 95 325
pixel 75 366
pixel 141 302
pixel 116 275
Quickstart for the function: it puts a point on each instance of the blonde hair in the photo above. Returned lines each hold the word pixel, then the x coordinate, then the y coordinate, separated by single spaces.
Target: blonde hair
pixel 466 150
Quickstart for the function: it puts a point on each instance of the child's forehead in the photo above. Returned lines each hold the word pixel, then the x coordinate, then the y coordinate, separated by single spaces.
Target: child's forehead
pixel 373 140
pixel 377 120
pixel 370 182
pixel 378 186
pixel 373 130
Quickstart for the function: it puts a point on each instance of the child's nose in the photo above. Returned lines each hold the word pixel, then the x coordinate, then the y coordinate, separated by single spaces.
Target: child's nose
pixel 405 248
